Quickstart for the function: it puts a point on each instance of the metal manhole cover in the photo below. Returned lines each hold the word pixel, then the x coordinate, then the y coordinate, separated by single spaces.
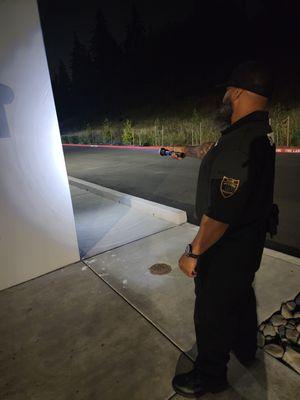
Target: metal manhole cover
pixel 160 269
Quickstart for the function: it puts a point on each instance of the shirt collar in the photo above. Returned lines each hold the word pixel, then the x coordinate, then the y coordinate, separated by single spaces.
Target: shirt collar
pixel 261 115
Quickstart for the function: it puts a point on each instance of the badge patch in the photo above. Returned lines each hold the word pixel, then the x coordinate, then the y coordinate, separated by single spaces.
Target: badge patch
pixel 229 186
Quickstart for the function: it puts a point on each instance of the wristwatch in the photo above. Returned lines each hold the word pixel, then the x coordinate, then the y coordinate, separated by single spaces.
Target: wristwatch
pixel 189 252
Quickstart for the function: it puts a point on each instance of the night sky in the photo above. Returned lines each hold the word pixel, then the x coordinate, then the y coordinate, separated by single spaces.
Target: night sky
pixel 187 48
pixel 63 17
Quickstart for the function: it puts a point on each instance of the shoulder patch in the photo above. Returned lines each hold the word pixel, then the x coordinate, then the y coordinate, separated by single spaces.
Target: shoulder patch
pixel 229 186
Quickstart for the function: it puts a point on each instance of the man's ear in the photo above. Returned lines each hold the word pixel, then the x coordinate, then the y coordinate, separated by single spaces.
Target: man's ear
pixel 236 93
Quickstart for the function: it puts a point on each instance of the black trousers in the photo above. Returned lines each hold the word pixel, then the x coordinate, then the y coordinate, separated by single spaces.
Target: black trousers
pixel 225 306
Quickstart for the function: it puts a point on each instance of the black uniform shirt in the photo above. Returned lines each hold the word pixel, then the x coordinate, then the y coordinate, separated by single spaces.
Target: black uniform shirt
pixel 236 177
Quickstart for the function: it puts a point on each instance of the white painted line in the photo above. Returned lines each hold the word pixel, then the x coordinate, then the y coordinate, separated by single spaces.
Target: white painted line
pixel 167 213
pixel 281 256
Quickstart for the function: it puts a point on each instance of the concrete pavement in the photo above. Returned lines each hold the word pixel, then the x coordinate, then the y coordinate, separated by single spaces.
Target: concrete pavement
pixel 106 328
pixel 83 333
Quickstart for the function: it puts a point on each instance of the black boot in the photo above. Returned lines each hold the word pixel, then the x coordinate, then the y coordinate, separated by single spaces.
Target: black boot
pixel 192 384
pixel 247 361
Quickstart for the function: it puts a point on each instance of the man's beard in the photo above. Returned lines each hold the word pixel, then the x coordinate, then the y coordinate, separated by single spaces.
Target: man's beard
pixel 223 117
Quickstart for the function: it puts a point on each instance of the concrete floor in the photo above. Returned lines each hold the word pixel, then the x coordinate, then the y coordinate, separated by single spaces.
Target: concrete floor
pixel 106 328
pixel 157 296
pixel 68 335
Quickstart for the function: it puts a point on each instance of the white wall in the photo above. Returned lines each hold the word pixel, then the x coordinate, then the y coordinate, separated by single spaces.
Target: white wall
pixel 37 229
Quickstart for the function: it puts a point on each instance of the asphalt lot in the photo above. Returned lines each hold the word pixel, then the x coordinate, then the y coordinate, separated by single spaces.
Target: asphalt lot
pixel 146 174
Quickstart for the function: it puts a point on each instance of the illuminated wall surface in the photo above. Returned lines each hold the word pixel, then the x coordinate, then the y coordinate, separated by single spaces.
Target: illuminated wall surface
pixel 37 228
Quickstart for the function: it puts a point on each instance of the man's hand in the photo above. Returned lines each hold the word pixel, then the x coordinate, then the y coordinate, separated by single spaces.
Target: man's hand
pixel 198 151
pixel 188 265
pixel 181 149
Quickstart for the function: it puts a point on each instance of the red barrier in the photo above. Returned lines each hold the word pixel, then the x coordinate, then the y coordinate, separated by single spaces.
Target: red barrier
pixel 112 146
pixel 280 149
pixel 285 149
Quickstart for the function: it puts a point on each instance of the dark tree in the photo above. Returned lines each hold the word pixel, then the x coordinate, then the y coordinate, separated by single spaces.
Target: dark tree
pixel 79 62
pixel 104 50
pixel 106 58
pixel 62 85
pixel 81 70
pixel 135 59
pixel 135 34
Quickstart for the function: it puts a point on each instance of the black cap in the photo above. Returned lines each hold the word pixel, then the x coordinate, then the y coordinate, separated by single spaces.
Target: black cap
pixel 254 76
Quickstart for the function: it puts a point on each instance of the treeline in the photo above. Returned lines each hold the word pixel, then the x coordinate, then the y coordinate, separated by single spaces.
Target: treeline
pixel 156 133
pixel 195 129
pixel 103 77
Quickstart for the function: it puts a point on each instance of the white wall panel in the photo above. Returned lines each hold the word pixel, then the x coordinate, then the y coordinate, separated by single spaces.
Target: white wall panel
pixel 37 228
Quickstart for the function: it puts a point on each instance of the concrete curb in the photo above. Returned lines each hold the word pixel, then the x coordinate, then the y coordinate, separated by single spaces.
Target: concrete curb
pixel 281 256
pixel 167 213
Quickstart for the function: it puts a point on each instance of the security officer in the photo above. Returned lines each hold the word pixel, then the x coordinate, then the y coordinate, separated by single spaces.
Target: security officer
pixel 233 204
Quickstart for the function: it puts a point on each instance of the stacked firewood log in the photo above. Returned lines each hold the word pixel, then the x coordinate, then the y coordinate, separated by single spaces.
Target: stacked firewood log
pixel 279 335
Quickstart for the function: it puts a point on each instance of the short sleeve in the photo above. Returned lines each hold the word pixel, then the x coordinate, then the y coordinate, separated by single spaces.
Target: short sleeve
pixel 229 187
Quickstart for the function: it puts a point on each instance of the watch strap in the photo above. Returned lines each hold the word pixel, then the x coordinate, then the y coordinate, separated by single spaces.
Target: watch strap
pixel 190 252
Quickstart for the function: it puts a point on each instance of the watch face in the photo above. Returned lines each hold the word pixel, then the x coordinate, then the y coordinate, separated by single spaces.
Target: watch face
pixel 188 249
